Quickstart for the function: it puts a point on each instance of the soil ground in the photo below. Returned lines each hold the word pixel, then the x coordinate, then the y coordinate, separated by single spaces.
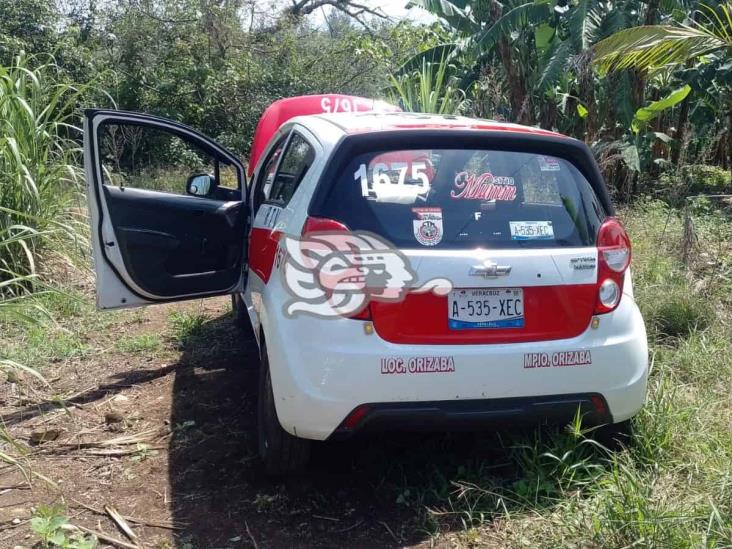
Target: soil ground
pixel 192 460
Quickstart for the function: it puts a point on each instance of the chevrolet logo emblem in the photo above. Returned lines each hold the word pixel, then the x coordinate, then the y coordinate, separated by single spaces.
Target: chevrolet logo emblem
pixel 490 270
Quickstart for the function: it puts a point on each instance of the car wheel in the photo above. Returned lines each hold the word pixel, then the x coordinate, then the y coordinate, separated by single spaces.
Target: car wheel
pixel 281 452
pixel 615 435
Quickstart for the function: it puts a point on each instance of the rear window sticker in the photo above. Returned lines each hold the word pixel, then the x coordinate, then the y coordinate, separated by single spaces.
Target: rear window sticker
pixel 428 226
pixel 548 164
pixel 399 181
pixel 531 230
pixel 485 186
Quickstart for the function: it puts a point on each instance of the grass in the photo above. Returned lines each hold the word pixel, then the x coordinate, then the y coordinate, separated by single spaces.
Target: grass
pixel 187 327
pixel 145 343
pixel 39 177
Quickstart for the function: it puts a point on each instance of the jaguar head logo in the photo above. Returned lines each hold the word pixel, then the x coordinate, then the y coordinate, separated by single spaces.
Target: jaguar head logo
pixel 334 274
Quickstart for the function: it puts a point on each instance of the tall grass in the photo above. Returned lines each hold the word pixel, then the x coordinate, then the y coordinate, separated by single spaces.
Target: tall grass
pixel 39 158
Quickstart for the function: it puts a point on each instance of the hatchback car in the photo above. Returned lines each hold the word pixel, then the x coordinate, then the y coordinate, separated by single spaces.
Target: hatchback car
pixel 398 271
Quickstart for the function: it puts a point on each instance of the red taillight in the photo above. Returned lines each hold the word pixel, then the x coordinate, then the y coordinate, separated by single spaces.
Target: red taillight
pixel 613 256
pixel 356 416
pixel 321 224
pixel 599 403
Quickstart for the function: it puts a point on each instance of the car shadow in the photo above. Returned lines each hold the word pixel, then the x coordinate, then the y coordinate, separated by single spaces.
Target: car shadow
pixel 359 493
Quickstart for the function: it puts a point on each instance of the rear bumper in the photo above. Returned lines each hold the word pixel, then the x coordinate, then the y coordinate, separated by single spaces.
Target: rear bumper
pixel 324 369
pixel 473 415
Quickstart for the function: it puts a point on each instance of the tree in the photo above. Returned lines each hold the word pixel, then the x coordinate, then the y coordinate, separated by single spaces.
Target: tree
pixel 706 38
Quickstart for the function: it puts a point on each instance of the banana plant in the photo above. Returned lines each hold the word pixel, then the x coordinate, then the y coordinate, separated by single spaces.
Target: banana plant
pixel 657 46
pixel 705 38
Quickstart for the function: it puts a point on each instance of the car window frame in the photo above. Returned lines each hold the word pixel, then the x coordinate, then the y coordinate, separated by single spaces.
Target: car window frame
pixel 257 187
pixel 192 141
pixel 286 149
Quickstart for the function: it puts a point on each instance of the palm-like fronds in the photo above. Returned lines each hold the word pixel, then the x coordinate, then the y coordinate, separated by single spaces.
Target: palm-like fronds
pixel 555 67
pixel 530 13
pixel 429 89
pixel 454 12
pixel 584 22
pixel 655 46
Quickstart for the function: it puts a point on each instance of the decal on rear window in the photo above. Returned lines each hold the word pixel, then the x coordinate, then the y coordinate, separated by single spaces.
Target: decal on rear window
pixel 548 164
pixel 428 225
pixel 394 181
pixel 486 186
pixel 531 230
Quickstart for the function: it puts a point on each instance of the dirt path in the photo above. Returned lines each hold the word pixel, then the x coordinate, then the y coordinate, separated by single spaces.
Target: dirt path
pixel 195 465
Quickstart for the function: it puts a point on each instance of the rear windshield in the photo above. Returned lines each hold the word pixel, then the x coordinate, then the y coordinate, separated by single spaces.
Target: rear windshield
pixel 452 198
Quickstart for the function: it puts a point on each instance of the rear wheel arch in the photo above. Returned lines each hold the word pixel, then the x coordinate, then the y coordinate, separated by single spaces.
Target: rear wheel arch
pixel 281 452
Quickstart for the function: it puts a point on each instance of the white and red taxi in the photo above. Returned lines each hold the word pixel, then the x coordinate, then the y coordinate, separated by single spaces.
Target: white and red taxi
pixel 399 271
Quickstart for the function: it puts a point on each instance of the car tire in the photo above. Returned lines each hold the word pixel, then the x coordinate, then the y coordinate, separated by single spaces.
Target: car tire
pixel 280 452
pixel 615 436
pixel 241 316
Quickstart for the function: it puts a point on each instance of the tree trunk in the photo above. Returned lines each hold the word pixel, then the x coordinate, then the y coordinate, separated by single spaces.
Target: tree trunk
pixel 681 123
pixel 729 140
pixel 517 85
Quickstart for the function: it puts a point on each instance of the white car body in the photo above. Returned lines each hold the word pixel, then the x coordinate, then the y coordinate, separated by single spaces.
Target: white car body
pixel 323 369
pixel 334 376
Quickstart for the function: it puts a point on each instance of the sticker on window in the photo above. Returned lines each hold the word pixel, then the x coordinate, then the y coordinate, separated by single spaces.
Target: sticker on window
pixel 548 164
pixel 531 230
pixel 428 226
pixel 486 186
pixel 398 182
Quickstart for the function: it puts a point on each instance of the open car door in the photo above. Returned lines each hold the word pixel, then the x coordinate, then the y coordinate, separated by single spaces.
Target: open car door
pixel 167 212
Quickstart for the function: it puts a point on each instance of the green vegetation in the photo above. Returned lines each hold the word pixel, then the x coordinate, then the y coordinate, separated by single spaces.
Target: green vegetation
pixel 187 327
pixel 39 175
pixel 146 343
pixel 51 525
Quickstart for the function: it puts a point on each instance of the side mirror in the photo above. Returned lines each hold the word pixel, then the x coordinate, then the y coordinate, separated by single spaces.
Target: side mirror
pixel 200 184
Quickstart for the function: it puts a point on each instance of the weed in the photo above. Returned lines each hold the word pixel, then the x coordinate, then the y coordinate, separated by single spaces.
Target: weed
pixel 143 452
pixel 144 343
pixel 679 313
pixel 187 327
pixel 39 178
pixel 51 525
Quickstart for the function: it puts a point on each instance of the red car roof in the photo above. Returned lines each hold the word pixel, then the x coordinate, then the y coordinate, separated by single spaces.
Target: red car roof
pixel 283 110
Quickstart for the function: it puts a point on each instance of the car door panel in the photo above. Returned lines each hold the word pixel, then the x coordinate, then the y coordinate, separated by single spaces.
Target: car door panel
pixel 154 246
pixel 171 243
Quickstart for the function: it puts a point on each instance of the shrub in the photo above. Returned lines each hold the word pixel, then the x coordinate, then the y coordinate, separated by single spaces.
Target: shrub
pixel 678 313
pixel 696 179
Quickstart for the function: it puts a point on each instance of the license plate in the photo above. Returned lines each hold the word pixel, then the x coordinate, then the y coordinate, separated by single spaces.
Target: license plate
pixel 472 308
